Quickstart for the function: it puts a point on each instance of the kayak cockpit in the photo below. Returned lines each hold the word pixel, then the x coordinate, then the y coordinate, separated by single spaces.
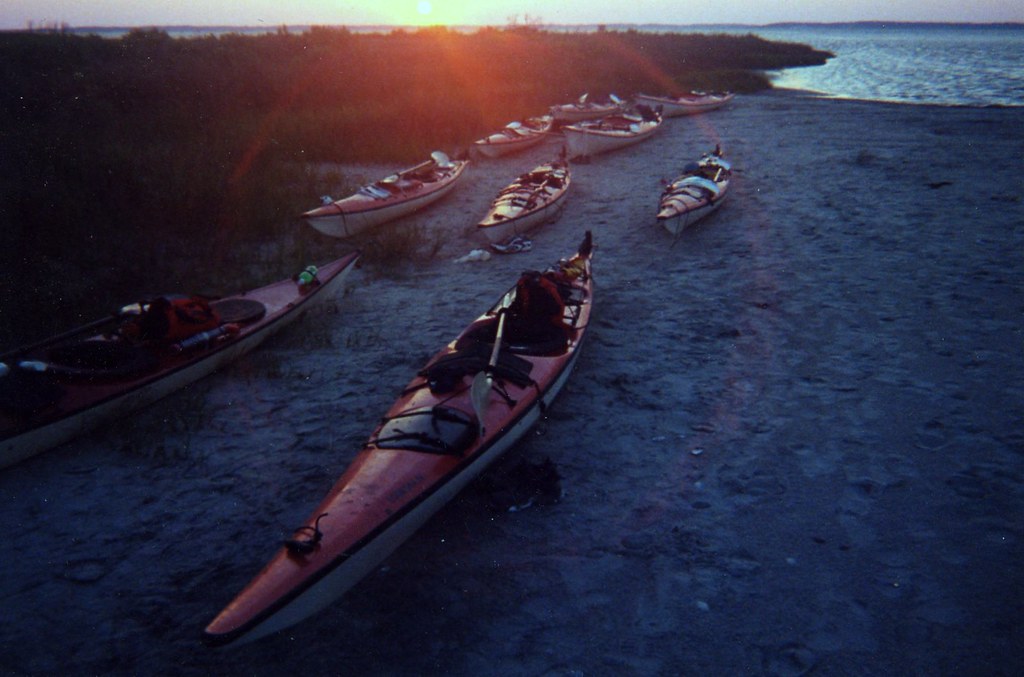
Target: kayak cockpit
pixel 471 356
pixel 541 316
pixel 542 340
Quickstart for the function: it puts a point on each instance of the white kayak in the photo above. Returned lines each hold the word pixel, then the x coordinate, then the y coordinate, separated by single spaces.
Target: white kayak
pixel 533 199
pixel 696 193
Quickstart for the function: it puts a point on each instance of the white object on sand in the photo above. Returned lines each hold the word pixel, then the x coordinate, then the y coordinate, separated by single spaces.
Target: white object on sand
pixel 475 255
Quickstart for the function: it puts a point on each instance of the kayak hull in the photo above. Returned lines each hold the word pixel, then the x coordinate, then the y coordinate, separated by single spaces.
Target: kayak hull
pixel 363 561
pixel 361 211
pixel 515 137
pixel 524 224
pixel 680 220
pixel 693 104
pixel 594 138
pixel 570 113
pixel 500 148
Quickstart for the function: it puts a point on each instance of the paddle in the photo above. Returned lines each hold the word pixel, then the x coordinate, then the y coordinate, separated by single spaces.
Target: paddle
pixel 480 391
pixel 77 331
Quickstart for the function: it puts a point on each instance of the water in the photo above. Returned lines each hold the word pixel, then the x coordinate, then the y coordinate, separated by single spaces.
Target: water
pixel 945 64
pixel 931 64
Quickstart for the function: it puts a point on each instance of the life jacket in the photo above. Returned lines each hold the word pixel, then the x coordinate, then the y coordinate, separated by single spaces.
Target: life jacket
pixel 537 311
pixel 171 319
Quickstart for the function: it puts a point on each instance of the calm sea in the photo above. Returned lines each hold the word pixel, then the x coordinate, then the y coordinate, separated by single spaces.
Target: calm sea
pixel 951 64
pixel 924 64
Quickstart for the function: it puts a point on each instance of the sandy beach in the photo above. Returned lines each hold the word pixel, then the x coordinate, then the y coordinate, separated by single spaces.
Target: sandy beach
pixel 793 443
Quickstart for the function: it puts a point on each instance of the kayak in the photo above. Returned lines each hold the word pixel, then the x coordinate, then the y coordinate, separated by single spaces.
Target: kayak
pixel 388 199
pixel 688 104
pixel 592 137
pixel 527 203
pixel 515 136
pixel 696 193
pixel 470 403
pixel 54 390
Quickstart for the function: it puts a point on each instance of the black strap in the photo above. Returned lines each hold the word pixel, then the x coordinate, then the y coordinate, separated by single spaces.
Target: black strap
pixel 473 359
pixel 304 546
pixel 429 440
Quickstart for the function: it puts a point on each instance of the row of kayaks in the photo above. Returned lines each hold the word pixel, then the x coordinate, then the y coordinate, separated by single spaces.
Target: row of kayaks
pixel 471 401
pixel 690 103
pixel 522 134
pixel 538 196
pixel 588 128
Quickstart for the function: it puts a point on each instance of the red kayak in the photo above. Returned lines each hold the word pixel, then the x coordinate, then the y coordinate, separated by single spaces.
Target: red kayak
pixel 55 390
pixel 469 404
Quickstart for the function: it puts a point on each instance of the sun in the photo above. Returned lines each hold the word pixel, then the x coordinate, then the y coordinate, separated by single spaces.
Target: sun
pixel 428 12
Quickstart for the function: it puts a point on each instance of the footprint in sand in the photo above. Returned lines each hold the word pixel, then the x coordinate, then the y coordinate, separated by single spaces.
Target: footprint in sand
pixel 87 570
pixel 788 660
pixel 931 437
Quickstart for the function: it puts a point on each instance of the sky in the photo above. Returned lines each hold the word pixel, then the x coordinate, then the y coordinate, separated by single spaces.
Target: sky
pixel 17 14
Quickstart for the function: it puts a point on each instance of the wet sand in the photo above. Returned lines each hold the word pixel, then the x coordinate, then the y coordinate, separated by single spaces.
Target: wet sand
pixel 793 443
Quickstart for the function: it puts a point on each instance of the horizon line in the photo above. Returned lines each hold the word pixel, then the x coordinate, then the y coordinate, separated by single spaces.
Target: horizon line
pixel 52 25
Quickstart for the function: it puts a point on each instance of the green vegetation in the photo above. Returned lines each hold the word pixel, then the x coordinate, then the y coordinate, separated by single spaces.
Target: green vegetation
pixel 149 164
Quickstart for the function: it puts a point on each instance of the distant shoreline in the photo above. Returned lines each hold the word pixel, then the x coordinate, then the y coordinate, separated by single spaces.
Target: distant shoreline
pixel 385 28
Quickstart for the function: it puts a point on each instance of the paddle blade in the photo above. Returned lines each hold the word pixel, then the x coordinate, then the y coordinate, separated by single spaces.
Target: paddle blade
pixel 587 246
pixel 479 394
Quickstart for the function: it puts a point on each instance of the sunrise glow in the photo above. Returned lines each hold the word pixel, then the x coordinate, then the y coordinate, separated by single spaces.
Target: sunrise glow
pixel 432 13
